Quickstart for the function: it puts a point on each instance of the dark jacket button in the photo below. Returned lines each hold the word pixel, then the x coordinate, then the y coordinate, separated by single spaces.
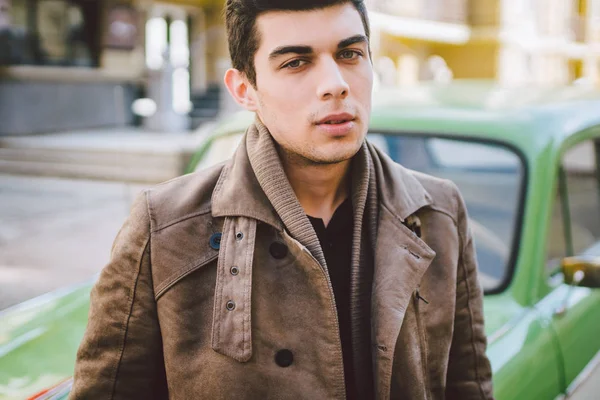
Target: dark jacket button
pixel 215 241
pixel 278 250
pixel 230 305
pixel 284 358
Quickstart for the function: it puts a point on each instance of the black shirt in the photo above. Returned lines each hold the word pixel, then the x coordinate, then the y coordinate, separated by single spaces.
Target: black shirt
pixel 336 242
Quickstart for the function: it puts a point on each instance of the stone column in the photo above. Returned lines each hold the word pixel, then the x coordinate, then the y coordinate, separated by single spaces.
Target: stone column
pixel 160 89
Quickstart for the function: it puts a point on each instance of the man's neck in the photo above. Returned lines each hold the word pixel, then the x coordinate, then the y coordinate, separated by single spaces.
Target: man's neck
pixel 320 188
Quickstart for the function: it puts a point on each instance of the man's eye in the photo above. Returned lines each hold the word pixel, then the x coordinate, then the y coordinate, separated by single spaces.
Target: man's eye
pixel 294 64
pixel 349 54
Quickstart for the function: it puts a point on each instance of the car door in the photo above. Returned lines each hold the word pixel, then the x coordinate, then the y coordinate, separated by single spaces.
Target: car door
pixel 575 311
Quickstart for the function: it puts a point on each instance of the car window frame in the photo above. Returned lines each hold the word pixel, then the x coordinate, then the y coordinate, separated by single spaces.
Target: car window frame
pixel 563 179
pixel 553 280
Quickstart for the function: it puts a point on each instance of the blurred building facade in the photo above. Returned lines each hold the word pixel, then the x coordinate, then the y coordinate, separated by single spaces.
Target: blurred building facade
pixel 547 42
pixel 70 64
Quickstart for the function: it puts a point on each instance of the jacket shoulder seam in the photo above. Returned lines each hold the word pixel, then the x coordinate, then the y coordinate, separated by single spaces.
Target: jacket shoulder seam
pixel 125 326
pixel 447 213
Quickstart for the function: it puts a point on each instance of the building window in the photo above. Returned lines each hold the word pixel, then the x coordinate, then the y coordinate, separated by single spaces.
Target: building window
pixel 49 32
pixel 156 42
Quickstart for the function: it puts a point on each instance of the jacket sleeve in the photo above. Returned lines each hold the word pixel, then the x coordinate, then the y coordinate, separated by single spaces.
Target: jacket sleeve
pixel 469 371
pixel 120 356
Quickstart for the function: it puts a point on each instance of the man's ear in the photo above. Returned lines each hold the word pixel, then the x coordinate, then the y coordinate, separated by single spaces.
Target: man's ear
pixel 240 89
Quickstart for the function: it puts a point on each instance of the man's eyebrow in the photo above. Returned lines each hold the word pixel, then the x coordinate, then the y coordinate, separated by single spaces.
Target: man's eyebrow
pixel 352 40
pixel 279 51
pixel 300 49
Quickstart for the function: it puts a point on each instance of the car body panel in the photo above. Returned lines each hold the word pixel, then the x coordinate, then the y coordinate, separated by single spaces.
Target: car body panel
pixel 525 363
pixel 39 341
pixel 578 332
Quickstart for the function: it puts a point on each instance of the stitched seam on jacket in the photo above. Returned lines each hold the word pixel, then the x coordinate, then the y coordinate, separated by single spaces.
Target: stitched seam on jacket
pixel 246 213
pixel 126 325
pixel 221 285
pixel 182 177
pixel 443 211
pixel 246 327
pixel 468 287
pixel 185 271
pixel 202 211
pixel 219 289
pixel 149 208
pixel 244 333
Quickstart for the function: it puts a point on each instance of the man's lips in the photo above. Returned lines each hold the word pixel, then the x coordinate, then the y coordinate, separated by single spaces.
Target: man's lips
pixel 334 119
pixel 339 125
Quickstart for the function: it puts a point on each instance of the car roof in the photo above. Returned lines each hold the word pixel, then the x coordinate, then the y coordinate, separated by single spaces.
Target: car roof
pixel 523 116
pixel 527 117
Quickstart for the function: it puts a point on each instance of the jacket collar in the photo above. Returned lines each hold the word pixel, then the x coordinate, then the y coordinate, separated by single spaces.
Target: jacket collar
pixel 256 164
pixel 236 192
pixel 399 190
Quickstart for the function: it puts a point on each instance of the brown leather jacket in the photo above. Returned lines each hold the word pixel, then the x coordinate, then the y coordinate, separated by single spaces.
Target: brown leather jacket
pixel 217 289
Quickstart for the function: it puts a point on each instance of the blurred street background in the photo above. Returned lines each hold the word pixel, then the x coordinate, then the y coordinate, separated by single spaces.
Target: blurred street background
pixel 100 98
pixel 56 232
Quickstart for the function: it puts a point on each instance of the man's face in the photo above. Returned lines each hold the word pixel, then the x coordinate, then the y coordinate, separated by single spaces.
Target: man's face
pixel 313 81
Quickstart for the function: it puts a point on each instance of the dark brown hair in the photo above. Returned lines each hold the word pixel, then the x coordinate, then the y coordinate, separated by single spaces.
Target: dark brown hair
pixel 240 21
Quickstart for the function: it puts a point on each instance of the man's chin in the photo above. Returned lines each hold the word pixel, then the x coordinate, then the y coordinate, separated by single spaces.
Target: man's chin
pixel 334 157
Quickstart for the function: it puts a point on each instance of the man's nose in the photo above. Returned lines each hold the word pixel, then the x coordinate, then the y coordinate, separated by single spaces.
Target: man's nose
pixel 331 82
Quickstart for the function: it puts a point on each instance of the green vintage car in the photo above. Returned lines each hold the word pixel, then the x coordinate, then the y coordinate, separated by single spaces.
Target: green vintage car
pixel 527 163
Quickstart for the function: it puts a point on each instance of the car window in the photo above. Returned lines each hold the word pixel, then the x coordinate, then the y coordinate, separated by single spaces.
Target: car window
pixel 581 173
pixel 489 177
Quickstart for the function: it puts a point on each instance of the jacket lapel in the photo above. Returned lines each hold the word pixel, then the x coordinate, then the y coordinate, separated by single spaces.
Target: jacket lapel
pixel 401 259
pixel 400 262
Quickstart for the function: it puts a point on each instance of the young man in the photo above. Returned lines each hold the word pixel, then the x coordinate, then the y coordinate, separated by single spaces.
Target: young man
pixel 300 268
